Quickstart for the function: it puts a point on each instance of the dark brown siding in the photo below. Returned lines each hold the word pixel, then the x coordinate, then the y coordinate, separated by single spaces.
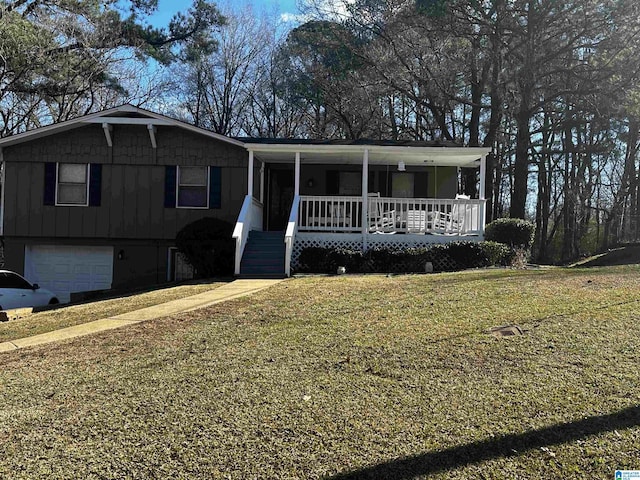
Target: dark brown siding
pixel 132 205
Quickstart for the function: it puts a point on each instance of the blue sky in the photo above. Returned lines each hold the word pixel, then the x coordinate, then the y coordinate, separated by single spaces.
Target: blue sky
pixel 166 8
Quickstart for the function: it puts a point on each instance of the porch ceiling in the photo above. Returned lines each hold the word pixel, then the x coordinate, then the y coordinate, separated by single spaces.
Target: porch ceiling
pixel 378 155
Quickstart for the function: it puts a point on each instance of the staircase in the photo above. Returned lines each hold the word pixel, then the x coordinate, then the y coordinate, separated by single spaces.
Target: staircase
pixel 263 255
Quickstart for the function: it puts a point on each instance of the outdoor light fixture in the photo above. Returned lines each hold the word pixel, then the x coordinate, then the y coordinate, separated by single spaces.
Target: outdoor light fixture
pixel 401 167
pixel 310 183
pixel 121 255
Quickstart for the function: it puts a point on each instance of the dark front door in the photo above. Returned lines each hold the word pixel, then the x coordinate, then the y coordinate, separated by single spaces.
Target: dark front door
pixel 281 189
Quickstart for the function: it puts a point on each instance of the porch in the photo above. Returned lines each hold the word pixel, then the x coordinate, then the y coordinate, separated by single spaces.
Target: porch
pixel 385 215
pixel 359 195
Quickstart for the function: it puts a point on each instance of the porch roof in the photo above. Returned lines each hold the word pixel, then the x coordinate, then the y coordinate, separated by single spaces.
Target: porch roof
pixel 352 151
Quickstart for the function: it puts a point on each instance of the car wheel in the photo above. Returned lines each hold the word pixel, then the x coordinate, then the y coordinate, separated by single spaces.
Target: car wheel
pixel 54 301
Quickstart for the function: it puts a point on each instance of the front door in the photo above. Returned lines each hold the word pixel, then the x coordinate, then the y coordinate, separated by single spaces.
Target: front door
pixel 281 190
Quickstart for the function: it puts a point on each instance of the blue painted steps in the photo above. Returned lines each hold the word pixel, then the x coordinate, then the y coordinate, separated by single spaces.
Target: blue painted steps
pixel 263 255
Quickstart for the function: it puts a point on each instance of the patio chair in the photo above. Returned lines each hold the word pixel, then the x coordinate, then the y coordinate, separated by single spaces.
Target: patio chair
pixel 416 221
pixel 451 222
pixel 379 219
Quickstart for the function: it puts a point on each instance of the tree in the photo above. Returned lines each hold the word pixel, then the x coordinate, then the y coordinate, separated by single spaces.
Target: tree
pixel 59 58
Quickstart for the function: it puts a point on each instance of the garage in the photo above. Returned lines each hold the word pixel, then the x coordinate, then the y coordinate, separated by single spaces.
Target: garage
pixel 67 269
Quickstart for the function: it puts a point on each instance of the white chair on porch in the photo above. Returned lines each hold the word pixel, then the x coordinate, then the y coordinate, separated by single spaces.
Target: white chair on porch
pixel 416 221
pixel 380 221
pixel 451 222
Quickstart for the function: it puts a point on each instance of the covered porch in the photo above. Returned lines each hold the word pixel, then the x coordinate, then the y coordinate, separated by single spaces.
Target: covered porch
pixel 330 193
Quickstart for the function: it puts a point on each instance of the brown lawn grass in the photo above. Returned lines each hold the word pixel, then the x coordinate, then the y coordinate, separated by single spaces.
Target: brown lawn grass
pixel 345 377
pixel 66 316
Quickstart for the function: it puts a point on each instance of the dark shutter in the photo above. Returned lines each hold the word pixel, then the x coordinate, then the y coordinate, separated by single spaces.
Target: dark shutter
pixel 170 175
pixel 49 197
pixel 333 182
pixel 215 187
pixel 95 184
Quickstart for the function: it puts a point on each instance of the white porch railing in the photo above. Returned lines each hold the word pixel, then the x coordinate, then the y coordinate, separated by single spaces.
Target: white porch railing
pixel 330 214
pixel 392 215
pixel 250 218
pixel 289 235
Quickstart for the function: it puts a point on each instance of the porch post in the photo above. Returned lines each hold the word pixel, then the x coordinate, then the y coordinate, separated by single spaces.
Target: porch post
pixel 262 182
pixel 250 176
pixel 365 198
pixel 297 175
pixel 481 192
pixel 483 176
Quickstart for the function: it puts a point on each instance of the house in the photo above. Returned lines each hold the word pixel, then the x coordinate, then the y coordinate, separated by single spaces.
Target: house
pixel 96 202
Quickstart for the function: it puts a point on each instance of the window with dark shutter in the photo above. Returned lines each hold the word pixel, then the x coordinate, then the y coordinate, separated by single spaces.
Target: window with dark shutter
pixel 49 197
pixel 193 187
pixel 215 187
pixel 95 184
pixel 170 176
pixel 72 184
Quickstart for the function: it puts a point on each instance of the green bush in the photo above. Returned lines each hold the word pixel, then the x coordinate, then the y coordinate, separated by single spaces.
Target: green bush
pixel 498 254
pixel 352 260
pixel 315 259
pixel 208 247
pixel 444 258
pixel 515 232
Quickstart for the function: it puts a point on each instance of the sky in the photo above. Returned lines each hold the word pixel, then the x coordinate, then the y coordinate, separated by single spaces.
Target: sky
pixel 166 8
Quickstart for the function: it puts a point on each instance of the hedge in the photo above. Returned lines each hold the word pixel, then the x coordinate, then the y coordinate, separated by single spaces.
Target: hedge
pixel 515 232
pixel 443 257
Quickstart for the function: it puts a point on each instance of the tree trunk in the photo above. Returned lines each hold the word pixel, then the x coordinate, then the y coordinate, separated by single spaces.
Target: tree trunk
pixel 521 166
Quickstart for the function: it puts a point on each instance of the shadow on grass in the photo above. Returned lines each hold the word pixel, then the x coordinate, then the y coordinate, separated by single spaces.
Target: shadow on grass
pixel 505 446
pixel 100 295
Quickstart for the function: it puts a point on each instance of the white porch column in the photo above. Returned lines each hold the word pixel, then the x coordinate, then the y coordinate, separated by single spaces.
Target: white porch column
pixel 365 198
pixel 483 176
pixel 250 176
pixel 297 175
pixel 482 193
pixel 262 182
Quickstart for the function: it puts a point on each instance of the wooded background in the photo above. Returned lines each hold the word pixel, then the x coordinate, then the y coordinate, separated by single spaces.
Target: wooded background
pixel 551 86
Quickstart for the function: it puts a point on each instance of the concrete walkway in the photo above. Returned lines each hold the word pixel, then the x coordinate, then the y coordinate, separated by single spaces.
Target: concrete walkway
pixel 235 289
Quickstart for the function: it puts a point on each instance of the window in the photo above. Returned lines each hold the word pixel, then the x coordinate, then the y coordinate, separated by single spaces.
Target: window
pixel 350 183
pixel 402 185
pixel 72 185
pixel 193 187
pixel 11 280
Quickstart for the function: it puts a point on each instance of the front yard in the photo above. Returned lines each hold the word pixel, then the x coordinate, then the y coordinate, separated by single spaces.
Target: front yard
pixel 345 377
pixel 67 316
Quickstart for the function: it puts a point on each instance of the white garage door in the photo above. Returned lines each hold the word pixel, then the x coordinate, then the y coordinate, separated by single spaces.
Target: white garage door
pixel 68 269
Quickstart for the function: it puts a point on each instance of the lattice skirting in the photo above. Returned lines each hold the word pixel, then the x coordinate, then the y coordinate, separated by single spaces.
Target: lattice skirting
pixel 355 241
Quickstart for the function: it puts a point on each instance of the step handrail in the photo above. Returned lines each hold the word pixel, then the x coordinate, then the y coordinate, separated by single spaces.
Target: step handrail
pixel 290 233
pixel 241 230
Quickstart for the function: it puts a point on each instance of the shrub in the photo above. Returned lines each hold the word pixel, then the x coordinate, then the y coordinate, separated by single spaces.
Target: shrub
pixel 350 259
pixel 498 254
pixel 515 232
pixel 444 258
pixel 314 260
pixel 208 247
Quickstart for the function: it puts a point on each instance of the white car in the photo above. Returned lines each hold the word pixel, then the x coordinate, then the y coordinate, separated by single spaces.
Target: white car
pixel 16 292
